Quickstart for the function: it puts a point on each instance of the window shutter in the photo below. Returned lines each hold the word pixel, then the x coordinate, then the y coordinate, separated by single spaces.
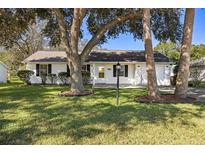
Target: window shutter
pixel 88 68
pixel 49 68
pixel 126 70
pixel 114 70
pixel 68 70
pixel 37 69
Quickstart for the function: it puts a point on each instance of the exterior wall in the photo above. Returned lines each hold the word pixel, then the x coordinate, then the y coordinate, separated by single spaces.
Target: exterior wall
pixel 201 72
pixel 56 68
pixel 3 73
pixel 136 73
pixel 163 72
pixel 109 79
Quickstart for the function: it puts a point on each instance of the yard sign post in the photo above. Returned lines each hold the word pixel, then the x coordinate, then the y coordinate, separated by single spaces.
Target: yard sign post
pixel 118 67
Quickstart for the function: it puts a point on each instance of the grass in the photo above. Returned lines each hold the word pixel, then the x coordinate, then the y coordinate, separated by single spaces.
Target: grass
pixel 36 115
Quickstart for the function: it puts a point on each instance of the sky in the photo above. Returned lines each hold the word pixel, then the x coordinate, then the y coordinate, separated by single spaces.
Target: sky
pixel 126 41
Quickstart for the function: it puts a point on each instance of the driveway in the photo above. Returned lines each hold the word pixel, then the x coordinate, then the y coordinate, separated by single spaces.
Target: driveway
pixel 198 93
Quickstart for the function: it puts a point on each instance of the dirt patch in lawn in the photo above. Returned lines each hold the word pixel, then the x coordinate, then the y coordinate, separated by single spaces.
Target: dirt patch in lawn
pixel 73 94
pixel 165 99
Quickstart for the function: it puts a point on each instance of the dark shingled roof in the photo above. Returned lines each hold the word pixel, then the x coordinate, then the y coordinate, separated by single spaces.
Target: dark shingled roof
pixel 125 56
pixel 96 56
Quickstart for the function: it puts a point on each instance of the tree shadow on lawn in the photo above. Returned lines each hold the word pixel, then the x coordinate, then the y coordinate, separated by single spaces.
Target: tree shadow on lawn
pixel 89 116
pixel 83 122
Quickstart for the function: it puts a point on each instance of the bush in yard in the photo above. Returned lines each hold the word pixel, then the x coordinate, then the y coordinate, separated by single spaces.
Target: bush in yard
pixel 86 77
pixel 43 78
pixel 25 75
pixel 52 78
pixel 174 78
pixel 63 76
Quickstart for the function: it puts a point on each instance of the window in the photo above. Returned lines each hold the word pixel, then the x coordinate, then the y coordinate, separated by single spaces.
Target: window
pixel 101 71
pixel 86 68
pixel 43 69
pixel 123 71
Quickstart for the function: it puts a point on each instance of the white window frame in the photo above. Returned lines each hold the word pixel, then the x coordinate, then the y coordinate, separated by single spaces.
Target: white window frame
pixel 101 67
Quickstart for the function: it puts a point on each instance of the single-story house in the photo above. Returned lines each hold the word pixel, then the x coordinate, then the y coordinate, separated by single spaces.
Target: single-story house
pixel 3 73
pixel 197 69
pixel 102 66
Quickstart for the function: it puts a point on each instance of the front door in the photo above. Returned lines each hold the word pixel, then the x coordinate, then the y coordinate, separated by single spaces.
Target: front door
pixel 140 75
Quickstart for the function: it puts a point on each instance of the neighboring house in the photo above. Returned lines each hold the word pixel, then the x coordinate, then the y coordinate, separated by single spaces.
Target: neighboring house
pixel 102 66
pixel 197 69
pixel 3 73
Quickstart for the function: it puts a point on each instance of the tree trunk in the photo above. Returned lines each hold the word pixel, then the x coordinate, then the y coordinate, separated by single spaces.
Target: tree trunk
pixel 76 74
pixel 153 91
pixel 71 47
pixel 75 61
pixel 184 61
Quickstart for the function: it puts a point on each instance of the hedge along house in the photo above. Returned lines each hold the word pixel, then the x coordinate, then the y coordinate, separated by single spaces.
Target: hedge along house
pixel 3 73
pixel 102 66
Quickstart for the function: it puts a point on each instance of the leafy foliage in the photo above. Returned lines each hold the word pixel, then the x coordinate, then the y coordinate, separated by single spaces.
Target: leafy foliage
pixel 86 77
pixel 169 49
pixel 25 75
pixel 52 78
pixel 43 78
pixel 165 23
pixel 198 51
pixel 172 50
pixel 14 23
pixel 63 76
pixel 174 77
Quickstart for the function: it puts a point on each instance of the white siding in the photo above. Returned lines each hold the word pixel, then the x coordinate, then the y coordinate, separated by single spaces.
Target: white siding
pixel 56 68
pixel 136 73
pixel 3 73
pixel 163 72
pixel 109 79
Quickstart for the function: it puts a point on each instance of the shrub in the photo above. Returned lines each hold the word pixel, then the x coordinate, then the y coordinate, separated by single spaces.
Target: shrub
pixel 25 75
pixel 43 78
pixel 52 78
pixel 174 78
pixel 86 77
pixel 63 76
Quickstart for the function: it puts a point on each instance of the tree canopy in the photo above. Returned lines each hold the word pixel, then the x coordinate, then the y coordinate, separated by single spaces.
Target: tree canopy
pixel 169 49
pixel 165 23
pixel 172 50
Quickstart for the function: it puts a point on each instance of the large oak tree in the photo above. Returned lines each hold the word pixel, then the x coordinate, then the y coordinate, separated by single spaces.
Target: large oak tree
pixel 64 27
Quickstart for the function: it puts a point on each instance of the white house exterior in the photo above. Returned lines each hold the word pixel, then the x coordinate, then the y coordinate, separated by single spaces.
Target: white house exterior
pixel 3 73
pixel 198 65
pixel 102 66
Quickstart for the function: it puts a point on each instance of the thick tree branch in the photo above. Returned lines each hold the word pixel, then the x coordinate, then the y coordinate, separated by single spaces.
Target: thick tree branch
pixel 78 16
pixel 64 39
pixel 96 38
pixel 82 14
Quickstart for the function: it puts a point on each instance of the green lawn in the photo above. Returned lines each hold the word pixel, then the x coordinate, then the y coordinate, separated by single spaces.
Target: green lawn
pixel 36 115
